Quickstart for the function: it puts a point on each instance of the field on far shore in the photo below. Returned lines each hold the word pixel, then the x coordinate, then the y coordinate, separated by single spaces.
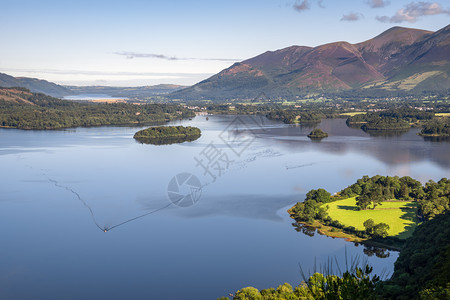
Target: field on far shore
pixel 399 215
pixel 354 113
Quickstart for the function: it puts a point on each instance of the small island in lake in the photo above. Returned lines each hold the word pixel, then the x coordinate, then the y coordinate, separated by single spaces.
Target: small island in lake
pixel 165 135
pixel 317 134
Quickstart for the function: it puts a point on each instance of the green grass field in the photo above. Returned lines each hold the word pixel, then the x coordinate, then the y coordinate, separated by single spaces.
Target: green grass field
pixel 354 113
pixel 400 217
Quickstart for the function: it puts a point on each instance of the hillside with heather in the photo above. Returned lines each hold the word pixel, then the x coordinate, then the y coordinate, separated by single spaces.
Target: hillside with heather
pixel 400 59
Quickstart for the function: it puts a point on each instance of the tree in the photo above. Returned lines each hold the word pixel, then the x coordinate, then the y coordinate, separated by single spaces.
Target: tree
pixel 319 195
pixel 363 201
pixel 381 230
pixel 369 225
pixel 248 293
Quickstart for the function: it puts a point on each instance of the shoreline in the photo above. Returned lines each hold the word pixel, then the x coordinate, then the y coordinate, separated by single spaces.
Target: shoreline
pixel 348 237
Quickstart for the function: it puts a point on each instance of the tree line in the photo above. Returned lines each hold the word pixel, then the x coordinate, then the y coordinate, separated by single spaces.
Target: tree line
pixel 46 112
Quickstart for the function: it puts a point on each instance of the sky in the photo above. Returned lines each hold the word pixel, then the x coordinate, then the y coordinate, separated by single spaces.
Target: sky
pixel 146 42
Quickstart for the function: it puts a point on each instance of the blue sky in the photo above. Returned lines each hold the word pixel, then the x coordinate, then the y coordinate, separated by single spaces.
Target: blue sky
pixel 137 42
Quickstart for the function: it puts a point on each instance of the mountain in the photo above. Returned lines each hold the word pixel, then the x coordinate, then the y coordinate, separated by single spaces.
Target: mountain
pixel 34 85
pixel 399 59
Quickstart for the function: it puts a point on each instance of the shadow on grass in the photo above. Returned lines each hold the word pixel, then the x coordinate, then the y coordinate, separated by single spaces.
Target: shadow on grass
pixel 409 214
pixel 348 207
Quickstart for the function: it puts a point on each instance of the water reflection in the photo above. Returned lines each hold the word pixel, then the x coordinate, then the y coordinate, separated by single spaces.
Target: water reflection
pixel 386 133
pixel 369 249
pixel 392 148
pixel 438 139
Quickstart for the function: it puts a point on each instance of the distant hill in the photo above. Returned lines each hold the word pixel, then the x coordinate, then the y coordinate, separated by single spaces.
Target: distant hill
pixel 141 91
pixel 15 96
pixel 399 59
pixel 34 85
pixel 52 89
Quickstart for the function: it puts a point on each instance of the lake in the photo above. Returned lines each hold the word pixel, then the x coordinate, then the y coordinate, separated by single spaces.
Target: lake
pixel 196 220
pixel 90 97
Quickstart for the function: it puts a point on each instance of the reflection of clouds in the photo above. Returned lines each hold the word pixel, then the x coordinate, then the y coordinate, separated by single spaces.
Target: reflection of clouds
pixel 299 188
pixel 402 170
pixel 244 206
pixel 347 173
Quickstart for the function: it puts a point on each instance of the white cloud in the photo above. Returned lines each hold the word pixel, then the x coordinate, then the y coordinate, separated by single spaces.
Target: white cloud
pixel 131 55
pixel 352 17
pixel 301 5
pixel 378 3
pixel 414 10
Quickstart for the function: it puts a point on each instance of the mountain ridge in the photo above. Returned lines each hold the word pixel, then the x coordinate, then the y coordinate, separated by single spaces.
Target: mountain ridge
pixel 34 85
pixel 399 59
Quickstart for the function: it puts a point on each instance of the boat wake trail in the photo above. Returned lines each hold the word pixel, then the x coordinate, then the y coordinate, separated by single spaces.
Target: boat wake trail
pixel 69 189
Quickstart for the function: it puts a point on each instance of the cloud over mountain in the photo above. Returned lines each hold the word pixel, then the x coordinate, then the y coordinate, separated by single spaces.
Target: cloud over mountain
pixel 413 11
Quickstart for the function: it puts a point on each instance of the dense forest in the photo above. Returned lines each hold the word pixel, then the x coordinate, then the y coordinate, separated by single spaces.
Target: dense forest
pixel 439 127
pixel 422 271
pixel 163 135
pixel 391 119
pixel 292 116
pixel 25 110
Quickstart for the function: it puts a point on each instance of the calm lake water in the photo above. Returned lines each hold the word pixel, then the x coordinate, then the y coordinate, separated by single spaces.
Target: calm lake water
pixel 57 186
pixel 88 97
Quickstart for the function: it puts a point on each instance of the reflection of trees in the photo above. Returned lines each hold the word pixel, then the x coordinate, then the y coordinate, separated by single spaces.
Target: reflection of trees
pixel 386 133
pixel 166 141
pixel 438 139
pixel 378 251
pixel 368 250
pixel 385 149
pixel 305 229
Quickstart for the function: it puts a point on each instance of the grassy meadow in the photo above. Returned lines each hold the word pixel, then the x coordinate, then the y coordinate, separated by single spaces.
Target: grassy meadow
pixel 400 216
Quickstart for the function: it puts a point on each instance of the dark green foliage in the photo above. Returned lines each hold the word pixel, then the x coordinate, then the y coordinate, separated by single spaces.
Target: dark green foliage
pixel 317 134
pixel 291 116
pixel 379 230
pixel 310 209
pixel 162 135
pixel 436 198
pixel 374 190
pixel 369 224
pixel 47 112
pixel 422 271
pixel 392 119
pixel 355 284
pixel 439 127
pixel 319 195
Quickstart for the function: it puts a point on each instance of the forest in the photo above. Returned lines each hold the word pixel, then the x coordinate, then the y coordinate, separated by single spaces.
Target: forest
pixel 439 127
pixel 391 119
pixel 27 110
pixel 164 135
